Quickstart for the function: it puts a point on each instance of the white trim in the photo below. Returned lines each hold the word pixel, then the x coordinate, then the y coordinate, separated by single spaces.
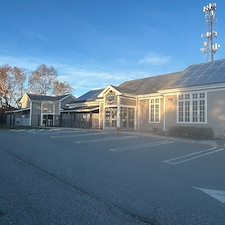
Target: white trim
pixel 128 97
pixel 103 125
pixel 191 108
pixel 128 106
pixel 54 113
pixel 135 116
pixel 159 104
pixel 47 114
pixel 31 110
pixel 164 114
pixel 18 110
pixel 99 118
pixel 138 118
pixel 79 110
pixel 194 88
pixel 41 122
pixel 118 112
pixel 147 96
pixel 125 95
pixel 109 87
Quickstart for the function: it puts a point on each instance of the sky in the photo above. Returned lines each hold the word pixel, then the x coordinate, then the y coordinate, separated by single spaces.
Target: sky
pixel 96 43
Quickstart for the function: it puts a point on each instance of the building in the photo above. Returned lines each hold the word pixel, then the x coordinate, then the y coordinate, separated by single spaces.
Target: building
pixel 193 97
pixel 38 110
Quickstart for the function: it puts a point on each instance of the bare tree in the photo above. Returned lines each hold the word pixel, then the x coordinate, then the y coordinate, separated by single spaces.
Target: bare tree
pixel 12 85
pixel 19 83
pixel 41 80
pixel 3 85
pixel 62 88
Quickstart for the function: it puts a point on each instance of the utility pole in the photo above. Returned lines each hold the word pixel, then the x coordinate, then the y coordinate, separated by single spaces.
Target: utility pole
pixel 209 47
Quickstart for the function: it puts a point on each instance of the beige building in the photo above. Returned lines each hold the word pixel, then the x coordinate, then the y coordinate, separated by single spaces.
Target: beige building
pixel 193 97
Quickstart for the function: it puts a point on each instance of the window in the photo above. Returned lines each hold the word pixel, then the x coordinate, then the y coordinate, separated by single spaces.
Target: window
pixel 154 110
pixel 192 108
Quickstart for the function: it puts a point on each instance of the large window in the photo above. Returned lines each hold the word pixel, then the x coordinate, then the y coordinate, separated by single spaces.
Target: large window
pixel 154 110
pixel 192 108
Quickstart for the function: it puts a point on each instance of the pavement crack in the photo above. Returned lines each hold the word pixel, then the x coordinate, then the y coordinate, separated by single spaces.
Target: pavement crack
pixel 109 205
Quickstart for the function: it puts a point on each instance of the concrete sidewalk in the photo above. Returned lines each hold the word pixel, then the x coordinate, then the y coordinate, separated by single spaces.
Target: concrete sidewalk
pixel 219 143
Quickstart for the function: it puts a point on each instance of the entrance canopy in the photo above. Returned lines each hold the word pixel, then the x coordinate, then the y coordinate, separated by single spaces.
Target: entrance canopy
pixel 82 109
pixel 18 110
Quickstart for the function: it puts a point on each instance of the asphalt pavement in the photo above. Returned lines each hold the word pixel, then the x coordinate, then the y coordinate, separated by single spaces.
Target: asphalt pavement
pixel 72 176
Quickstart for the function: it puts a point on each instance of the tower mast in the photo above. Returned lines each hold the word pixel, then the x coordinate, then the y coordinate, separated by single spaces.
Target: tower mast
pixel 209 47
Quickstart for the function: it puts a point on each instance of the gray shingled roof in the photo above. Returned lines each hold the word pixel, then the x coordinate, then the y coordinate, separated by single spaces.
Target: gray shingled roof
pixel 34 97
pixel 148 85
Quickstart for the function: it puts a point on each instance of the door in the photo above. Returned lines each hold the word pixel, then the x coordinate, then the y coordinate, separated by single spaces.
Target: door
pixel 110 117
pixel 127 118
pixel 47 120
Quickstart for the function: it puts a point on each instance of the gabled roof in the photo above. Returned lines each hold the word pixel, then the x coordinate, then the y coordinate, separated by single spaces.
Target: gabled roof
pixel 149 85
pixel 89 96
pixel 34 97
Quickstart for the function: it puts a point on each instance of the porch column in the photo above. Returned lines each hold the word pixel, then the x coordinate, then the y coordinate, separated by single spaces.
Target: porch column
pixel 31 111
pixel 118 113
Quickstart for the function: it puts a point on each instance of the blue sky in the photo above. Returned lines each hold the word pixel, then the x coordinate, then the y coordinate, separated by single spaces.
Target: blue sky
pixel 94 43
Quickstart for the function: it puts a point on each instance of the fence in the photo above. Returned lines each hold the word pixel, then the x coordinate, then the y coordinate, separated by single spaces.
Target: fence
pixel 73 120
pixel 2 119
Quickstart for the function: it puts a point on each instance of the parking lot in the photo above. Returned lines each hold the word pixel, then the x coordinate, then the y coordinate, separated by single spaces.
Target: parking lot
pixel 74 176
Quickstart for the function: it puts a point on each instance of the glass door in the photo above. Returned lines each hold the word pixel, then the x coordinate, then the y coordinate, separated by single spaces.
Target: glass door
pixel 111 117
pixel 47 120
pixel 127 118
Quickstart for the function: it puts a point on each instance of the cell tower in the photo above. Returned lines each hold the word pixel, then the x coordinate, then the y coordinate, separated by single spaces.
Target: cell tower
pixel 209 47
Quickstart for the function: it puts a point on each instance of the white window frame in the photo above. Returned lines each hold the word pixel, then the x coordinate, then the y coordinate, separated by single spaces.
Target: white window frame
pixel 156 105
pixel 189 102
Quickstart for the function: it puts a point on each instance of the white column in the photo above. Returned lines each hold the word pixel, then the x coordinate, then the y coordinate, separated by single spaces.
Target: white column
pixel 118 112
pixel 164 113
pixel 31 104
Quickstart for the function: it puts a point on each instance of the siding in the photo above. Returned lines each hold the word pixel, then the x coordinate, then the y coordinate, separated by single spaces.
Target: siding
pixel 170 111
pixel 216 112
pixel 36 112
pixel 143 117
pixel 128 102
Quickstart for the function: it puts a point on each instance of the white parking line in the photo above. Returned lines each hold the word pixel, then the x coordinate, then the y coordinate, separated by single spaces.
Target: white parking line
pixel 79 135
pixel 216 194
pixel 34 131
pixel 17 130
pixel 134 147
pixel 55 129
pixel 105 139
pixel 192 156
pixel 66 132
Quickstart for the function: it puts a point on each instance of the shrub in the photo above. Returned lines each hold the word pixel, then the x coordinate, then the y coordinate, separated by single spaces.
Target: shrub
pixel 191 132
